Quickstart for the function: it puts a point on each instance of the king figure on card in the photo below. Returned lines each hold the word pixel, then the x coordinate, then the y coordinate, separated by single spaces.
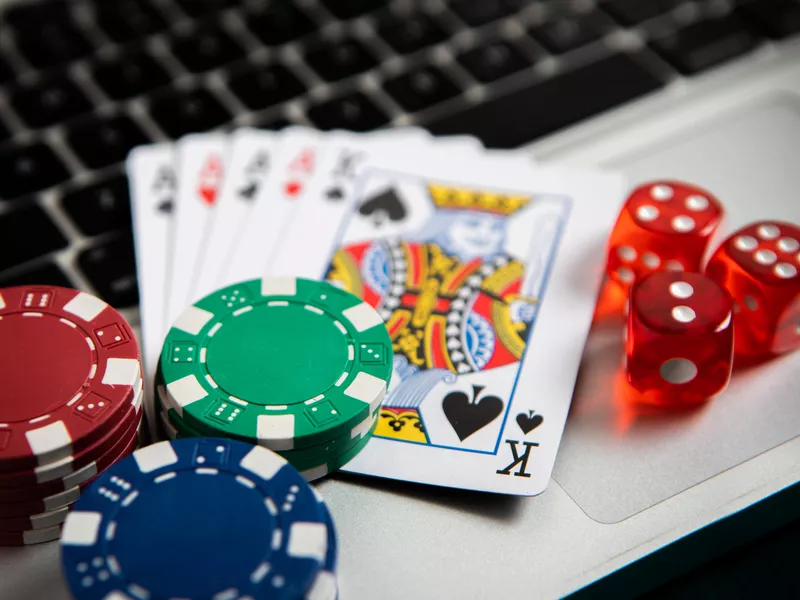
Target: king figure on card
pixel 457 302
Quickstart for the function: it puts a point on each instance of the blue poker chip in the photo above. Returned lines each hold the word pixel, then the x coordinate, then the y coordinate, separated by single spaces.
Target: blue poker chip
pixel 324 586
pixel 196 518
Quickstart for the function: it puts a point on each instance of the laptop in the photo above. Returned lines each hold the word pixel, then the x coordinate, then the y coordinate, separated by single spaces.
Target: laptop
pixel 707 91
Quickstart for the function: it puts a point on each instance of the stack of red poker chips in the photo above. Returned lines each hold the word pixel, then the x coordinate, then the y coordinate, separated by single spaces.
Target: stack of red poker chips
pixel 70 403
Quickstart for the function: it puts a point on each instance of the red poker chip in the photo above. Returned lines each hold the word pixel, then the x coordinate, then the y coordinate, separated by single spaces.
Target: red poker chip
pixel 71 490
pixel 28 538
pixel 56 516
pixel 67 364
pixel 69 465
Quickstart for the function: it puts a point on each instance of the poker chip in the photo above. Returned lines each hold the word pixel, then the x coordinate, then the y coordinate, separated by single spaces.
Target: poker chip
pixel 197 518
pixel 68 362
pixel 70 488
pixel 301 458
pixel 28 538
pixel 336 463
pixel 324 586
pixel 71 464
pixel 285 363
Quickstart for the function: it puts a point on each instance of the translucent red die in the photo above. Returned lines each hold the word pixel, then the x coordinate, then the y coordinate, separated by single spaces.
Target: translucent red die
pixel 679 338
pixel 760 267
pixel 664 225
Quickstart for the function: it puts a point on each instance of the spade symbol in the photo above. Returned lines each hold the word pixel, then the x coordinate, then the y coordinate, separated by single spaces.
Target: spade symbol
pixel 386 204
pixel 165 206
pixel 335 193
pixel 467 417
pixel 529 422
pixel 248 192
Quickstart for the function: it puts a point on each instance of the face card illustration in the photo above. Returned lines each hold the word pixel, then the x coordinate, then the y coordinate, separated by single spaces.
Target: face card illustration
pixel 201 169
pixel 249 166
pixel 469 277
pixel 153 185
pixel 295 161
pixel 312 234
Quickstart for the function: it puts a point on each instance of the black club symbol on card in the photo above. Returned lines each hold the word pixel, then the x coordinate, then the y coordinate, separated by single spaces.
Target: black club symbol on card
pixel 468 416
pixel 530 421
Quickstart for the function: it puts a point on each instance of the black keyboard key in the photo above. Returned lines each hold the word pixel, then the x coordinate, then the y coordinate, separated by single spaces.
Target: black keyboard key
pixel 272 124
pixel 261 86
pixel 337 60
pixel 100 142
pixel 29 15
pixel 100 207
pixel 27 169
pixel 633 12
pixel 480 12
pixel 278 22
pixel 776 18
pixel 111 268
pixel 52 42
pixel 493 61
pixel 542 108
pixel 47 274
pixel 185 111
pixel 706 44
pixel 568 33
pixel 49 101
pixel 407 34
pixel 354 112
pixel 202 8
pixel 25 234
pixel 6 72
pixel 129 74
pixel 421 88
pixel 206 48
pixel 353 8
pixel 128 20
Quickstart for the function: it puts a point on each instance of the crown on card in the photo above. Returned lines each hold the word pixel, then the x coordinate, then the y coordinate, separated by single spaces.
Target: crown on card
pixel 445 196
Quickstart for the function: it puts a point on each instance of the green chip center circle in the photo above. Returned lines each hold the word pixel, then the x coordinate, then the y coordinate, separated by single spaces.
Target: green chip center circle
pixel 277 355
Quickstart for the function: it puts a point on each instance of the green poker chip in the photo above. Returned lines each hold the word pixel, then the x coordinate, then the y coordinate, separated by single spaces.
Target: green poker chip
pixel 282 362
pixel 301 458
pixel 334 464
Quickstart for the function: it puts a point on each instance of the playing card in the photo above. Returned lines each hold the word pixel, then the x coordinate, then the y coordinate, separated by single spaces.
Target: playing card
pixel 487 281
pixel 308 241
pixel 252 155
pixel 153 184
pixel 295 162
pixel 201 169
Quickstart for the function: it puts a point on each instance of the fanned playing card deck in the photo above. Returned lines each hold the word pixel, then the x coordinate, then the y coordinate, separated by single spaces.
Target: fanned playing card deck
pixel 484 266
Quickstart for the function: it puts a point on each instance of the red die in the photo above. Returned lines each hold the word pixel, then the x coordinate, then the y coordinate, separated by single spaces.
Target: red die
pixel 663 225
pixel 679 346
pixel 759 266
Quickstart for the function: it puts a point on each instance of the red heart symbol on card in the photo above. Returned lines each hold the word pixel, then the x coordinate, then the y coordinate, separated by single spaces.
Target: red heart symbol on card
pixel 293 188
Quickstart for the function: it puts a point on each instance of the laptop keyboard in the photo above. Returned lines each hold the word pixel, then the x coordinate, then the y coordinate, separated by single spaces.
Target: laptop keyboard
pixel 82 82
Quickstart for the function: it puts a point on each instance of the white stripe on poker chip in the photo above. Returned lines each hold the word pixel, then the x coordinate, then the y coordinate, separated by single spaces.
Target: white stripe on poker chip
pixel 186 390
pixel 279 286
pixel 362 428
pixel 308 540
pixel 263 463
pixel 362 316
pixel 66 498
pixel 323 588
pixel 122 371
pixel 276 431
pixel 85 306
pixel 48 438
pixel 82 528
pixel 2 302
pixel 315 472
pixel 192 320
pixel 154 457
pixel 368 389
